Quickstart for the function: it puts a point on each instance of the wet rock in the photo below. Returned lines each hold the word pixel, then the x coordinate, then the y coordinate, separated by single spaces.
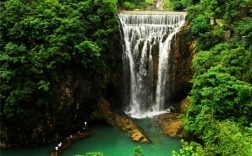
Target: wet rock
pixel 174 128
pixel 73 96
pixel 181 56
pixel 137 136
pixel 120 121
pixel 171 125
pixel 3 146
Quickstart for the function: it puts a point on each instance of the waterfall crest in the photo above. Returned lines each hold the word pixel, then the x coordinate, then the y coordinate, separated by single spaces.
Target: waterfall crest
pixel 147 44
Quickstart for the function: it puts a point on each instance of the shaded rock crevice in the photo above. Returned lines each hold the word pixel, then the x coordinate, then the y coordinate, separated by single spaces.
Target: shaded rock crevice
pixel 73 96
pixel 181 57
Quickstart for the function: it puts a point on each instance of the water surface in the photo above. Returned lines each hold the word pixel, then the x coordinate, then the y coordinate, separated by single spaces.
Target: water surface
pixel 113 142
pixel 110 141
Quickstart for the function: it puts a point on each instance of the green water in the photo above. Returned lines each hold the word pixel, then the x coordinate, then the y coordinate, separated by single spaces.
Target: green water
pixel 111 142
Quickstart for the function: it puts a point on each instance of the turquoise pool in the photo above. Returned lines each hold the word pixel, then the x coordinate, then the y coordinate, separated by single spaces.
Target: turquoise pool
pixel 110 141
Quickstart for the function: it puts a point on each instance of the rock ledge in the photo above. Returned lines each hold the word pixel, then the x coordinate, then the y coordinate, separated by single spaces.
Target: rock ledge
pixel 121 121
pixel 171 125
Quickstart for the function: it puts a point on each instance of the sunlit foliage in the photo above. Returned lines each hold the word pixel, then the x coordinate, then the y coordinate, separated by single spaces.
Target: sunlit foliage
pixel 218 122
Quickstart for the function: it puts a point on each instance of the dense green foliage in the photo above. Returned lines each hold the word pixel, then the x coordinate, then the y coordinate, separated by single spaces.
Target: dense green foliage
pixel 134 4
pixel 219 120
pixel 136 152
pixel 41 38
pixel 151 4
pixel 179 4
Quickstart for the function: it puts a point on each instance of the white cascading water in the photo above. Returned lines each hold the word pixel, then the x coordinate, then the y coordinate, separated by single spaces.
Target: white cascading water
pixel 144 36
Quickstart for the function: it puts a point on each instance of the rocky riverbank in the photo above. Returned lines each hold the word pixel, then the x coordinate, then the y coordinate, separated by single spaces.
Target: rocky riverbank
pixel 171 125
pixel 120 121
pixel 67 142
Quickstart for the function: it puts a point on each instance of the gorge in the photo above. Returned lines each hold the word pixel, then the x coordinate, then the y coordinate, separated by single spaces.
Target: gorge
pixel 156 67
pixel 121 69
pixel 142 84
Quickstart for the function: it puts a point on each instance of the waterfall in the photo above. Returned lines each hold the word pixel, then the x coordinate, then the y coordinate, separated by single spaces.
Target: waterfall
pixel 147 44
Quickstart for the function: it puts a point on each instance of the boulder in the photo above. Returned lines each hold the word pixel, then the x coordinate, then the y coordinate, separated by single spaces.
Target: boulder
pixel 174 128
pixel 137 136
pixel 171 125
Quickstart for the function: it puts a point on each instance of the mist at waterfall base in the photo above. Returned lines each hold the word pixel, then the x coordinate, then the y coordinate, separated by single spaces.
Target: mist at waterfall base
pixel 146 60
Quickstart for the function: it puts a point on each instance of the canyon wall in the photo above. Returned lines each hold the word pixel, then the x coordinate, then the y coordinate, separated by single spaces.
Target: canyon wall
pixel 75 94
pixel 181 57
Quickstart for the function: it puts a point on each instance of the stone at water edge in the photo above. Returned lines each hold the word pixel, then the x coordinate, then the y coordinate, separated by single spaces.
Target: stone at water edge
pixel 122 122
pixel 170 124
pixel 174 129
pixel 138 136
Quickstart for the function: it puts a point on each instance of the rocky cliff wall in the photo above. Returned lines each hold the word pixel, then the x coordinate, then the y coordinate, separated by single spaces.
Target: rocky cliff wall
pixel 181 63
pixel 74 96
pixel 114 73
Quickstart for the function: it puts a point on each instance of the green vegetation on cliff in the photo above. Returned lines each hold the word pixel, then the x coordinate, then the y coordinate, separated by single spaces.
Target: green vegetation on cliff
pixel 39 40
pixel 219 119
pixel 134 4
pixel 176 5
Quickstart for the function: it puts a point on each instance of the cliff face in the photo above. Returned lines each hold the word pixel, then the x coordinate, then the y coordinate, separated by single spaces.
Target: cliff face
pixel 74 100
pixel 181 59
pixel 114 73
pixel 73 97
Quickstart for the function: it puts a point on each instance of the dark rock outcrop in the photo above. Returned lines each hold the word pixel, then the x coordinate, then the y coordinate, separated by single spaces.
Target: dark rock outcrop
pixel 74 95
pixel 181 57
pixel 73 98
pixel 114 73
pixel 120 121
pixel 171 125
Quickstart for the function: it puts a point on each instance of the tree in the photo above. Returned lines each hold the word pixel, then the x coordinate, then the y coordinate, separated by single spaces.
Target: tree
pixel 218 122
pixel 138 151
pixel 39 39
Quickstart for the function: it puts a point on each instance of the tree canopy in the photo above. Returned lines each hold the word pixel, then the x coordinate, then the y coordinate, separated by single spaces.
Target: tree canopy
pixel 219 119
pixel 40 37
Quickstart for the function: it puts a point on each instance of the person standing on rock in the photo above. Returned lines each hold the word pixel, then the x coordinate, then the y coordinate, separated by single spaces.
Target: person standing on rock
pixel 85 126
